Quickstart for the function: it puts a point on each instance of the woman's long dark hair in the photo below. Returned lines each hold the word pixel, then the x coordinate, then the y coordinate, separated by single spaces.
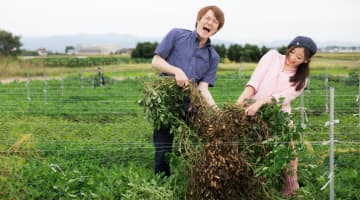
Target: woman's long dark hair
pixel 303 70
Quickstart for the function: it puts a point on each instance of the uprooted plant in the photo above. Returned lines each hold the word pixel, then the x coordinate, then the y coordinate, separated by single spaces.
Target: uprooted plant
pixel 229 155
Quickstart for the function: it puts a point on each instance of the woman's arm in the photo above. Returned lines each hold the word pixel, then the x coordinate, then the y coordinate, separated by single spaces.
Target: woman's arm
pixel 257 76
pixel 288 95
pixel 247 93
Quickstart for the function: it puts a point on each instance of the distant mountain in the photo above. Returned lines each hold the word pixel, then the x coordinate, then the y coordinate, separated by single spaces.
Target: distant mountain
pixel 320 44
pixel 338 43
pixel 58 43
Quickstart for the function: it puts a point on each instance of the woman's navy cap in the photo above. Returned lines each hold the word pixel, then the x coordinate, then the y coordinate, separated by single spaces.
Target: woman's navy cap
pixel 304 41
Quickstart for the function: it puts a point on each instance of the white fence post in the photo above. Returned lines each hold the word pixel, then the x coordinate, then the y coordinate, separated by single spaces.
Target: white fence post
pixel 81 78
pixel 358 100
pixel 331 144
pixel 241 72
pixel 93 76
pixel 308 85
pixel 28 86
pixel 45 90
pixel 302 111
pixel 326 87
pixel 62 84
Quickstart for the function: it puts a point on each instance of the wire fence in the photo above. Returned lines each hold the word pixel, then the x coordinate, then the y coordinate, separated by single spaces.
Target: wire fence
pixel 327 117
pixel 63 95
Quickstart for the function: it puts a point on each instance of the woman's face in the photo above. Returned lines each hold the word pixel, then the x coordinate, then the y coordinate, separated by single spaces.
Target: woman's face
pixel 207 25
pixel 296 57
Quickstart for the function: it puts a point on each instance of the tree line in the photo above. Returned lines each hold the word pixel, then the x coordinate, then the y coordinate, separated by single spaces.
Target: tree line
pixel 10 45
pixel 234 53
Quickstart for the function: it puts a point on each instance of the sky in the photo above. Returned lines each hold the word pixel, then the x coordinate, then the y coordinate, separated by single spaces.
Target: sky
pixel 250 21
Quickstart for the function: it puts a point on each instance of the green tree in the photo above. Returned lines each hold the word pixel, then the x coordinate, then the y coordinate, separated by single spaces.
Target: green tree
pixel 144 50
pixel 234 52
pixel 263 50
pixel 9 44
pixel 250 53
pixel 282 49
pixel 221 50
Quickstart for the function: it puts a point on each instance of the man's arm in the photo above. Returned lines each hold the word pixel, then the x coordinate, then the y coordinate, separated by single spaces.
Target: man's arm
pixel 204 90
pixel 162 65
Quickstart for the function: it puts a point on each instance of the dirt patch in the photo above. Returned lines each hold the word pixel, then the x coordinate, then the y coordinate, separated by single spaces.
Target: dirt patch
pixel 40 78
pixel 117 78
pixel 23 79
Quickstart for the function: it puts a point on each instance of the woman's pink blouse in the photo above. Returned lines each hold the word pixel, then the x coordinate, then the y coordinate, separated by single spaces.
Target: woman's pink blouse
pixel 270 79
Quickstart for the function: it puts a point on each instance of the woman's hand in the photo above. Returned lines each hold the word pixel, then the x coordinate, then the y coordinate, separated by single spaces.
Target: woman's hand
pixel 240 102
pixel 245 103
pixel 253 108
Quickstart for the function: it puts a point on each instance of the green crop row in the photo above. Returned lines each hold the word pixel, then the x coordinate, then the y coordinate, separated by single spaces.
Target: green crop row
pixel 84 61
pixel 78 140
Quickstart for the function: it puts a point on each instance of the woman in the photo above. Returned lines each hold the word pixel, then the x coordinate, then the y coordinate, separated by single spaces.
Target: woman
pixel 280 76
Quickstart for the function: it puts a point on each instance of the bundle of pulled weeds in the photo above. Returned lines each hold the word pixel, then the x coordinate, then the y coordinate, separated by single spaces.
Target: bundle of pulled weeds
pixel 230 155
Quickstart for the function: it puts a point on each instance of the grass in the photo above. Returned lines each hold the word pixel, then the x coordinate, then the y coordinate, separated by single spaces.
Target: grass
pixel 335 63
pixel 94 143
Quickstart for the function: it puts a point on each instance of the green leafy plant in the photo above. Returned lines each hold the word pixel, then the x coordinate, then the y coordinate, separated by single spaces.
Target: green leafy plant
pixel 226 152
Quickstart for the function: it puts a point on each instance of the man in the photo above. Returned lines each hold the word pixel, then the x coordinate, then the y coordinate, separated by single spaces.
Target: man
pixel 187 55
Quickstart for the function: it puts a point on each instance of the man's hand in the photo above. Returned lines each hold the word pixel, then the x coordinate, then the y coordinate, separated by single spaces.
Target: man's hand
pixel 215 108
pixel 181 79
pixel 162 65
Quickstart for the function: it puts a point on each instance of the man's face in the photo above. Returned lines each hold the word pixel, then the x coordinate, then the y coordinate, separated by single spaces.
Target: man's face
pixel 207 25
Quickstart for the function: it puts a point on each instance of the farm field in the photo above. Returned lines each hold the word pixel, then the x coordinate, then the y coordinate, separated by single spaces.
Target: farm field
pixel 64 136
